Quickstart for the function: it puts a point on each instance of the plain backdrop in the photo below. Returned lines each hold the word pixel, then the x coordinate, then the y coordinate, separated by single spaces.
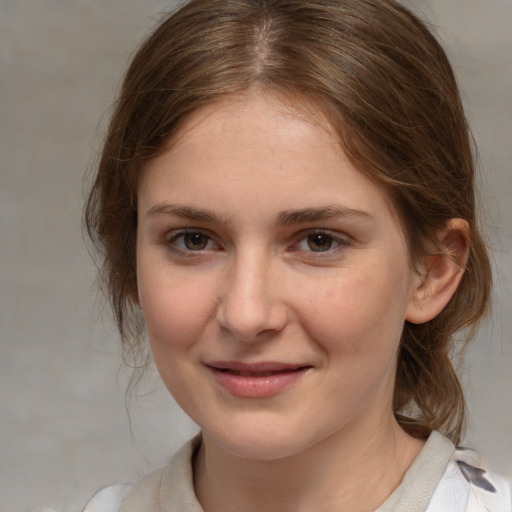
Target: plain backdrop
pixel 64 427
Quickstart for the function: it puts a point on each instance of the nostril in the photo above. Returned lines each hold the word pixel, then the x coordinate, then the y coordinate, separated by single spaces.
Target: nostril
pixel 251 324
pixel 250 307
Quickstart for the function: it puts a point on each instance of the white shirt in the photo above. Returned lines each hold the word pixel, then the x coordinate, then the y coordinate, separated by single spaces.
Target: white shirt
pixel 441 479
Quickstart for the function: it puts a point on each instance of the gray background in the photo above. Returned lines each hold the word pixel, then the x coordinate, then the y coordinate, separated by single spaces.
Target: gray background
pixel 64 428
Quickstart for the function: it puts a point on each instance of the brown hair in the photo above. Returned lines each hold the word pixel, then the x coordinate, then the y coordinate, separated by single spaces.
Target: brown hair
pixel 389 92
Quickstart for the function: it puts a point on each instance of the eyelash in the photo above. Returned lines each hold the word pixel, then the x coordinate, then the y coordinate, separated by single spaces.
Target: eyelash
pixel 177 238
pixel 174 238
pixel 307 237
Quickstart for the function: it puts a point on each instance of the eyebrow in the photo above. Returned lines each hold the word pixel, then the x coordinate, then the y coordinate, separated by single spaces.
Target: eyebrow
pixel 318 214
pixel 187 212
pixel 284 218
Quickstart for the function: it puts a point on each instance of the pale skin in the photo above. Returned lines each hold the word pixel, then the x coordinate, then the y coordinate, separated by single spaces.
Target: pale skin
pixel 259 243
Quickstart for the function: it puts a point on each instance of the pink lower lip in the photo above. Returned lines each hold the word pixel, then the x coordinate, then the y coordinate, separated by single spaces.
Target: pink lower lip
pixel 255 386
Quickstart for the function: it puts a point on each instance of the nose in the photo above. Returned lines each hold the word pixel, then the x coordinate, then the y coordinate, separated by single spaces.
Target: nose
pixel 251 306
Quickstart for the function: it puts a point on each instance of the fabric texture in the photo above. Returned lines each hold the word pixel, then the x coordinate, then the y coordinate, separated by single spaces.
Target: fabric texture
pixel 419 483
pixel 441 479
pixel 108 499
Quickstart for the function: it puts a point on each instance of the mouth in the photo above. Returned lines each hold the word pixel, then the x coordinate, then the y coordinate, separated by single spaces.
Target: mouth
pixel 257 380
pixel 258 374
pixel 261 369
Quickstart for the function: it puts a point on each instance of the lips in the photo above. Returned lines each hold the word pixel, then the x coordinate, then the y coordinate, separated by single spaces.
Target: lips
pixel 253 374
pixel 256 380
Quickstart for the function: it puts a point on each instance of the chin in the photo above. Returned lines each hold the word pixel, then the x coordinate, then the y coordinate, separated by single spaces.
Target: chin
pixel 259 449
pixel 263 442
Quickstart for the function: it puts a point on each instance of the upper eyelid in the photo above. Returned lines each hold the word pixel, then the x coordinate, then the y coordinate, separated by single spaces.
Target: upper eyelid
pixel 336 235
pixel 342 238
pixel 342 241
pixel 302 233
pixel 174 234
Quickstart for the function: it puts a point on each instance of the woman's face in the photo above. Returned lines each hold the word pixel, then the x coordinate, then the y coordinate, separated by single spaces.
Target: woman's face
pixel 274 279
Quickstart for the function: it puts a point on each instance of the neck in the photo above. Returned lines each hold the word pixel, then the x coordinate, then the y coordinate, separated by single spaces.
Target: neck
pixel 353 471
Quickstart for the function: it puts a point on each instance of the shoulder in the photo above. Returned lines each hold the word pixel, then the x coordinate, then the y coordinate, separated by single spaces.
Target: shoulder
pixel 172 484
pixel 488 490
pixel 468 487
pixel 115 498
pixel 108 499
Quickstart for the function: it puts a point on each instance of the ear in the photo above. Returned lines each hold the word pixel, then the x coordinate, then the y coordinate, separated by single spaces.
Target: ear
pixel 441 274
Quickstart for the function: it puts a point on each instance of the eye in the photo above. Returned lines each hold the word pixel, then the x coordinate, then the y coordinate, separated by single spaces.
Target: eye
pixel 319 241
pixel 190 241
pixel 195 241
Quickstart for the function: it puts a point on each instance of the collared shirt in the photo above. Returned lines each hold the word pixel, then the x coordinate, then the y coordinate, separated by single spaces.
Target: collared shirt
pixel 441 479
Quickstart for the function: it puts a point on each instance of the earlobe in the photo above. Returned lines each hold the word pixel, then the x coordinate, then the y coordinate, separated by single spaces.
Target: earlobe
pixel 442 272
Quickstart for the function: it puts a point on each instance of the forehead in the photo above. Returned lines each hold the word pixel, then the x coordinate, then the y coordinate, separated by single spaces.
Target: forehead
pixel 277 111
pixel 259 147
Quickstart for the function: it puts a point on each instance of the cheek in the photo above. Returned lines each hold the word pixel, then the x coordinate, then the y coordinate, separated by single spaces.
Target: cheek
pixel 176 309
pixel 356 314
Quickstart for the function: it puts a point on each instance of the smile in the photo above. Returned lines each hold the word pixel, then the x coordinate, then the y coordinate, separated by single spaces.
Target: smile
pixel 254 374
pixel 258 380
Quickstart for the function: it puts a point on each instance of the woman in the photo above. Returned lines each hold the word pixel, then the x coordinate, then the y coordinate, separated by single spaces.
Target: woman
pixel 286 193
